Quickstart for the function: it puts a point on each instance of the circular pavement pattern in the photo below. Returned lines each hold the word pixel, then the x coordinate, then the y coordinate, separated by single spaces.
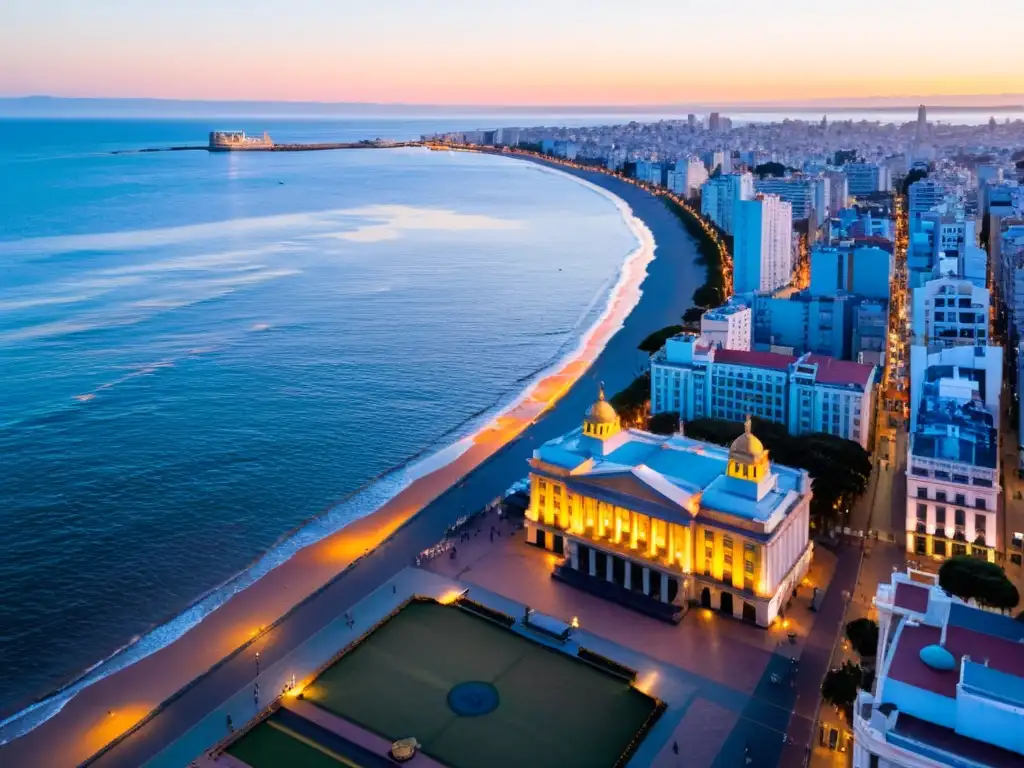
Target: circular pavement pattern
pixel 473 698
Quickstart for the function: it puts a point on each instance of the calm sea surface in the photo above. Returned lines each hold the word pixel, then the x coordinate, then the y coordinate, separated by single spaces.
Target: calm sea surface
pixel 200 352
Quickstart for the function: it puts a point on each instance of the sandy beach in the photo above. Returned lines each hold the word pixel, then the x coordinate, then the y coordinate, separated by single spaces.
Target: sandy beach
pixel 307 590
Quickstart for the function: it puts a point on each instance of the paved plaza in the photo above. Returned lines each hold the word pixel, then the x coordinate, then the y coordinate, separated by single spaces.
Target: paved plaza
pixel 729 701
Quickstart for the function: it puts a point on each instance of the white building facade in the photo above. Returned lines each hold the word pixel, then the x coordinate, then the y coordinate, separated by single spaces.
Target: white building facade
pixel 950 311
pixel 953 481
pixel 728 326
pixel 720 195
pixel 948 687
pixel 762 244
pixel 808 394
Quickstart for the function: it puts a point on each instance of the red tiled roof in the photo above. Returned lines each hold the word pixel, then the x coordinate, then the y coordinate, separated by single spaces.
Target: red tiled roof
pixel 912 597
pixel 907 666
pixel 830 370
pixel 769 360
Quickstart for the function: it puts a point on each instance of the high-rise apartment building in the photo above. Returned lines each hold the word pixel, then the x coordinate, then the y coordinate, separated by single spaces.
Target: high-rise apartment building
pixel 720 195
pixel 762 244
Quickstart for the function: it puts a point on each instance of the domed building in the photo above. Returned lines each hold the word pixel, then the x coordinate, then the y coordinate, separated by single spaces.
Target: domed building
pixel 658 522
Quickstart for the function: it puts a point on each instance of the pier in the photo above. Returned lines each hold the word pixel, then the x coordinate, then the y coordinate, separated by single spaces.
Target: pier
pixel 276 147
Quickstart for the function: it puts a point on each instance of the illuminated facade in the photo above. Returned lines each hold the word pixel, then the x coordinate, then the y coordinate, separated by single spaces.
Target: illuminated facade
pixel 660 522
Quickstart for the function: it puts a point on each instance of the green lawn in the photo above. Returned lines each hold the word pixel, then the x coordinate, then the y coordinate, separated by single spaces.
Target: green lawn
pixel 266 746
pixel 553 710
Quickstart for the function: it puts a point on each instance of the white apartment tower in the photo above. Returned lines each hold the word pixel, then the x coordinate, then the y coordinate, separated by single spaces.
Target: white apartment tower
pixel 762 244
pixel 720 195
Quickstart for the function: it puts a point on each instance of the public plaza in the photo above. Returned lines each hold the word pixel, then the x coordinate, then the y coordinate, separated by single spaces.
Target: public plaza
pixel 487 655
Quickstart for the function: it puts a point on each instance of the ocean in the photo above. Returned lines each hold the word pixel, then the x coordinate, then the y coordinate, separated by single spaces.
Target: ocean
pixel 200 353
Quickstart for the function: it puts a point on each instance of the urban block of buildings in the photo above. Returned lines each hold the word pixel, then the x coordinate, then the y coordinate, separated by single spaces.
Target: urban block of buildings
pixel 697 379
pixel 949 690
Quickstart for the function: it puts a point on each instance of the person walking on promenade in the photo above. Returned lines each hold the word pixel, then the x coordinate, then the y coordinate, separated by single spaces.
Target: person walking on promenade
pixel 257 663
pixel 256 695
pixel 231 725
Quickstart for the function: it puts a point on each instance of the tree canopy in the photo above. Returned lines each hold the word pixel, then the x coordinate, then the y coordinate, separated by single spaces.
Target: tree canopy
pixel 663 423
pixel 839 468
pixel 916 174
pixel 692 315
pixel 656 340
pixel 863 636
pixel 633 403
pixel 770 169
pixel 841 684
pixel 972 579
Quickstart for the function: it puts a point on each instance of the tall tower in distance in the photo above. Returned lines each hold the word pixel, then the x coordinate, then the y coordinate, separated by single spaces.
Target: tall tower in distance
pixel 922 122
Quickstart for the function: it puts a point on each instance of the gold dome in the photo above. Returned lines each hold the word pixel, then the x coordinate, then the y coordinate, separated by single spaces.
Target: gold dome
pixel 601 412
pixel 747 444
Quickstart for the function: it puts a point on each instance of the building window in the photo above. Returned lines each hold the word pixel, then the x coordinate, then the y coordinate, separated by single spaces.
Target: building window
pixel 940 495
pixel 961 500
pixel 748 567
pixel 727 559
pixel 709 536
pixel 940 516
pixel 939 547
pixel 960 517
pixel 922 512
pixel 979 503
pixel 920 545
pixel 980 522
pixel 959 550
pixel 727 543
pixel 922 492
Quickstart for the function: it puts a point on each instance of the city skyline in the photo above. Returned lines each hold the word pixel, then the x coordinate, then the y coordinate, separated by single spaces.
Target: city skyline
pixel 416 53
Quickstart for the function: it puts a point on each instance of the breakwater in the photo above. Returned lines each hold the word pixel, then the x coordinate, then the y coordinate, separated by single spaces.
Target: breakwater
pixel 316 147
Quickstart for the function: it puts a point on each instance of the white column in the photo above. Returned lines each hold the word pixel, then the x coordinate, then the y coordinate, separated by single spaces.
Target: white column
pixel 629 575
pixel 647 581
pixel 671 541
pixel 633 517
pixel 574 555
pixel 664 587
pixel 592 564
pixel 609 569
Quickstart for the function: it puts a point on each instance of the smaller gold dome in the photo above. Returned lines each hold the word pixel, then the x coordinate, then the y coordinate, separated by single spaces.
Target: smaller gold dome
pixel 601 412
pixel 747 444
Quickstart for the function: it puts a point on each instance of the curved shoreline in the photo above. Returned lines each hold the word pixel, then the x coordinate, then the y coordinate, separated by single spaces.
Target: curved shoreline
pixel 406 502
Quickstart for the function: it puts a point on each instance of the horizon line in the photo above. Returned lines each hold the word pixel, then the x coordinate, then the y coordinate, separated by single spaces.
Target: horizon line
pixel 877 103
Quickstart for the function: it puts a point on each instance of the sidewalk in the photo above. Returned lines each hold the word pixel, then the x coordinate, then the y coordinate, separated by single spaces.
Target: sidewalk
pixel 876 566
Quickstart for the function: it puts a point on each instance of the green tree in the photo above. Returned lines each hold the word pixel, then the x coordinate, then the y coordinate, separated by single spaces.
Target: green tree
pixel 770 169
pixel 839 468
pixel 972 579
pixel 840 685
pixel 863 636
pixel 692 315
pixel 915 174
pixel 633 403
pixel 656 340
pixel 663 423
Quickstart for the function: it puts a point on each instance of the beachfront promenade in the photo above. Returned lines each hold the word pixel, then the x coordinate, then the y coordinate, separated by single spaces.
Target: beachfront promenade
pixel 229 638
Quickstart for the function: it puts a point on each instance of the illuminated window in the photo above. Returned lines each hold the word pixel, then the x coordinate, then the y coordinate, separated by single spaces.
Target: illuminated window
pixel 748 566
pixel 709 536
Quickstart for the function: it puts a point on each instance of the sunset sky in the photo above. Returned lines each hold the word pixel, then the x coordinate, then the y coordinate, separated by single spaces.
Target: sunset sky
pixel 528 52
